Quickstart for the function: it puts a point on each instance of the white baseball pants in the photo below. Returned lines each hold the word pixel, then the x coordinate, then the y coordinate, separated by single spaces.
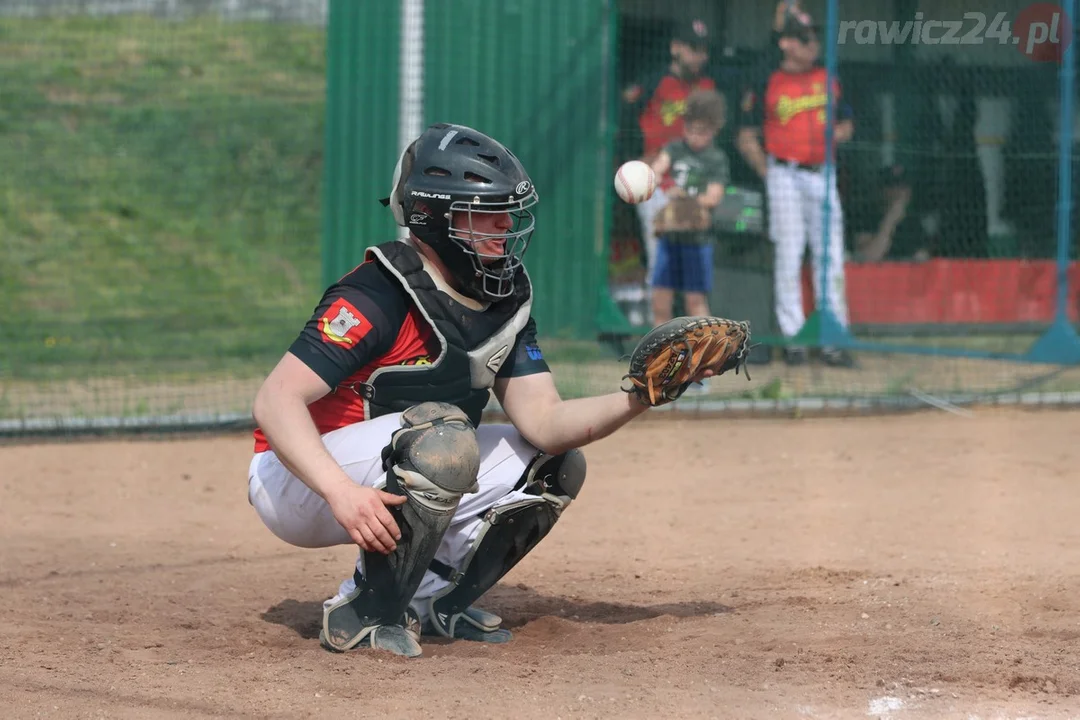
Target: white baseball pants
pixel 796 214
pixel 297 515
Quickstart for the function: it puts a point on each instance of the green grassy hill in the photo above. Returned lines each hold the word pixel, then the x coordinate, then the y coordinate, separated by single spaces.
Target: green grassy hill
pixel 159 199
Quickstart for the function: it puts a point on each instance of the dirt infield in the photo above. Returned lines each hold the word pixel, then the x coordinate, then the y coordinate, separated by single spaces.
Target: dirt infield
pixel 923 566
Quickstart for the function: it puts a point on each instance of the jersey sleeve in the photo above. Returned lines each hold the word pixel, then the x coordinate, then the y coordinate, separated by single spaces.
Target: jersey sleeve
pixel 526 357
pixel 356 322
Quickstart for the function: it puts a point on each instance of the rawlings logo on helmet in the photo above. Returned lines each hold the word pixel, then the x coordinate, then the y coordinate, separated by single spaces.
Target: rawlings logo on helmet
pixel 522 187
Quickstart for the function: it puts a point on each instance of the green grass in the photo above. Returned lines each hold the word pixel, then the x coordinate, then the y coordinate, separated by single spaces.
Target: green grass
pixel 159 200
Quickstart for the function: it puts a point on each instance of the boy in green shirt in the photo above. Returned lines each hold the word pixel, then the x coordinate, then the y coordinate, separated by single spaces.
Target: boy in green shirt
pixel 694 174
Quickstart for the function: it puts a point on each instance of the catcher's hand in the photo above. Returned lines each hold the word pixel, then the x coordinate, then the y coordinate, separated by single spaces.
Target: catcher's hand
pixel 680 351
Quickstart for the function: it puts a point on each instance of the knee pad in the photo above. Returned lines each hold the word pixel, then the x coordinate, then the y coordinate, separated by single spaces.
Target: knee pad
pixel 556 478
pixel 509 532
pixel 432 460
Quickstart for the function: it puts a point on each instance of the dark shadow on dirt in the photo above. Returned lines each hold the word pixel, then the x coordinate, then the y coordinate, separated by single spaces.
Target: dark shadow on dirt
pixel 518 605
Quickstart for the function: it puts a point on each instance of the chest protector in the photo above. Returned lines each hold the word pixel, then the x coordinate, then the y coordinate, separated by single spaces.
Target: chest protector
pixel 473 344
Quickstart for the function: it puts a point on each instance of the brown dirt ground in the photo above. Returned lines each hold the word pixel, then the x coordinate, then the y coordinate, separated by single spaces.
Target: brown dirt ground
pixel 914 566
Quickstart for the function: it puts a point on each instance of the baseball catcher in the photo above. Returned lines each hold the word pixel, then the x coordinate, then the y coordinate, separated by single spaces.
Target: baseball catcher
pixel 369 428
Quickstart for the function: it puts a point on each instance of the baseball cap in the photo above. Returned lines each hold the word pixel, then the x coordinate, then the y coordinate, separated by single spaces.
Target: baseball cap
pixel 799 25
pixel 694 33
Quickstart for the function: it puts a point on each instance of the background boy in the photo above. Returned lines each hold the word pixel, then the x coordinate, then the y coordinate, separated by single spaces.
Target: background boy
pixel 699 172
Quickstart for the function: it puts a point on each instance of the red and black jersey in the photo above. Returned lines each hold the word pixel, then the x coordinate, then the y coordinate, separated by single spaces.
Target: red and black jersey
pixel 790 108
pixel 663 102
pixel 367 321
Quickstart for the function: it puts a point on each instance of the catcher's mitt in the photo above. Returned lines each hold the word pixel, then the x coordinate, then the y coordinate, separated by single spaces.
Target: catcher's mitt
pixel 670 355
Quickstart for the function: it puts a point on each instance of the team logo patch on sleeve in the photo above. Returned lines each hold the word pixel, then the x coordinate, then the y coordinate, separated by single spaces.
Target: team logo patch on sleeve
pixel 342 324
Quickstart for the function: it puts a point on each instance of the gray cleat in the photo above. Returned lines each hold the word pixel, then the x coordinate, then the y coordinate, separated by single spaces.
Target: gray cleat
pixel 403 639
pixel 471 624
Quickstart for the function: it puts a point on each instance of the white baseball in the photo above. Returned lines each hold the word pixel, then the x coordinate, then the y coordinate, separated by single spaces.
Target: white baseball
pixel 635 182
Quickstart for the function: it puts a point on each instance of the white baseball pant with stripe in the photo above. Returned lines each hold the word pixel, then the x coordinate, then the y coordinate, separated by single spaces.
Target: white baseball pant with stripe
pixel 796 198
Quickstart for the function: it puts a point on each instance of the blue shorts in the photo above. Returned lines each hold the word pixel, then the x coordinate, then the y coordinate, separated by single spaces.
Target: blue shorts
pixel 684 267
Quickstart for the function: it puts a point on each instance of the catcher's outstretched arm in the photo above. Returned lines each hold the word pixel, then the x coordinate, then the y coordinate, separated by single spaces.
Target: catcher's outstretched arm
pixel 554 425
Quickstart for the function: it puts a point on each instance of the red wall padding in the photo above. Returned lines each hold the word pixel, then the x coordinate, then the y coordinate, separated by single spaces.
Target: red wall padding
pixel 953 291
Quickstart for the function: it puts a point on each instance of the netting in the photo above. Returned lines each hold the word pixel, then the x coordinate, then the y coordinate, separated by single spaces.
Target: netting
pixel 159 207
pixel 945 263
pixel 161 199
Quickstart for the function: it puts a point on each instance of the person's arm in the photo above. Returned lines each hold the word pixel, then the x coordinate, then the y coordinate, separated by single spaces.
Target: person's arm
pixel 882 241
pixel 751 119
pixel 718 178
pixel 347 331
pixel 844 131
pixel 772 56
pixel 554 425
pixel 749 145
pixel 712 196
pixel 637 95
pixel 844 127
pixel 662 164
pixel 874 247
pixel 281 410
pixel 783 8
pixel 527 393
pixel 526 390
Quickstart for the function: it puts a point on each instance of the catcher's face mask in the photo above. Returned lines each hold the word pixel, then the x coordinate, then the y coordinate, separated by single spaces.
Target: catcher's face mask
pixel 494 236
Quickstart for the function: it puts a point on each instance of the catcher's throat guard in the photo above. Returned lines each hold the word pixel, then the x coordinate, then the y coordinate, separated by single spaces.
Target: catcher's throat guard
pixel 671 355
pixel 433 460
pixel 508 534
